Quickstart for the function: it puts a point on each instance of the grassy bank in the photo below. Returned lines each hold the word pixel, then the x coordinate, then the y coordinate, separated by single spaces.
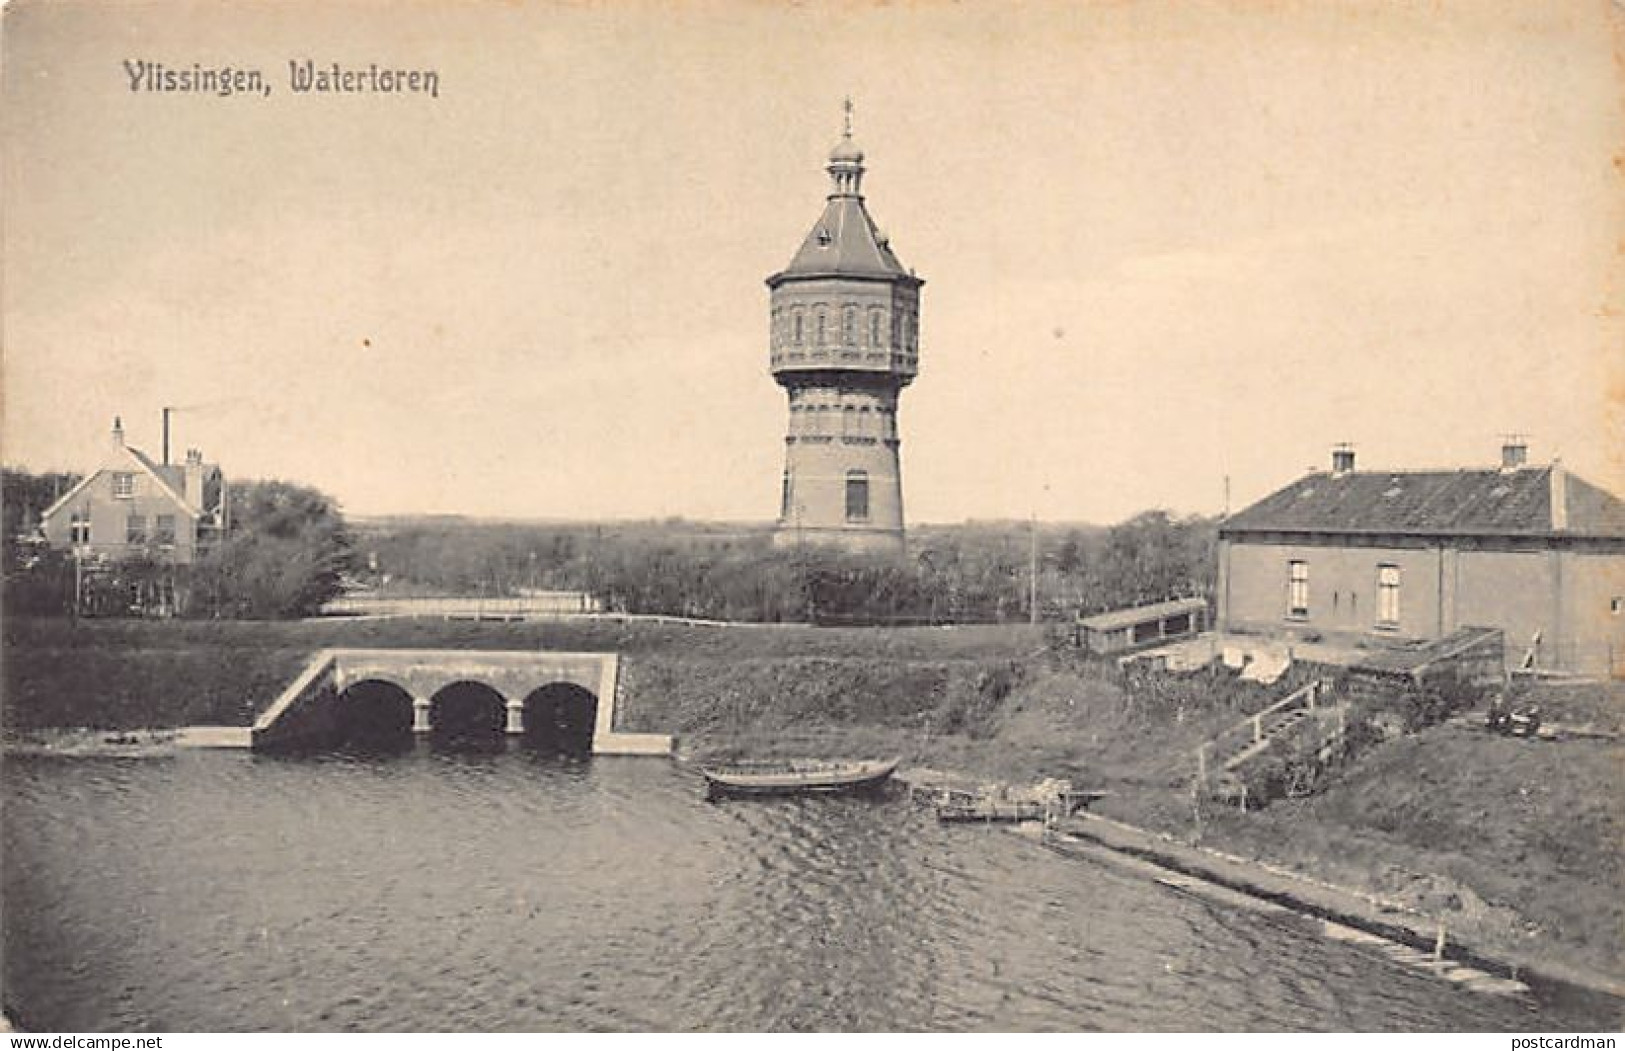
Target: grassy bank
pixel 1515 843
pixel 129 674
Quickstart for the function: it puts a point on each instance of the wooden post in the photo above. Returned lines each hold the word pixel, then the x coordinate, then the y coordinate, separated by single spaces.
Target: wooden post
pixel 1258 728
pixel 1438 944
pixel 1244 797
pixel 1314 688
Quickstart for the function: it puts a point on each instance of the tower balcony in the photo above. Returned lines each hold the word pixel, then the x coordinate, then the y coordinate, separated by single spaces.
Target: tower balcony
pixel 903 365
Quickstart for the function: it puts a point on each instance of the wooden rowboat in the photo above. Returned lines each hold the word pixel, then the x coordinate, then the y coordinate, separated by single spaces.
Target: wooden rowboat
pixel 797 777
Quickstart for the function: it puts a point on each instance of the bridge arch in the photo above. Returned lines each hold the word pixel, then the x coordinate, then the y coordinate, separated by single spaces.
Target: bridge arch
pixel 466 713
pixel 374 715
pixel 471 686
pixel 561 717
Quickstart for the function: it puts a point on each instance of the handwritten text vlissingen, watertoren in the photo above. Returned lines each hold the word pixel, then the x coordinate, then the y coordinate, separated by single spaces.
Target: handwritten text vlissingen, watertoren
pixel 305 77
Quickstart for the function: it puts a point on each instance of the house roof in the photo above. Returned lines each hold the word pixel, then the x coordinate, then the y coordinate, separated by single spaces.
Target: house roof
pixel 171 479
pixel 1467 502
pixel 171 476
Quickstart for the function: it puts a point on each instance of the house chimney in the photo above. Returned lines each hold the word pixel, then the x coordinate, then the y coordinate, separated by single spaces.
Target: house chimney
pixel 118 431
pixel 1514 452
pixel 1343 458
pixel 194 478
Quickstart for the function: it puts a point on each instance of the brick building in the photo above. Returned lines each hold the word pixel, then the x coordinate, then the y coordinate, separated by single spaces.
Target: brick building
pixel 1533 550
pixel 129 504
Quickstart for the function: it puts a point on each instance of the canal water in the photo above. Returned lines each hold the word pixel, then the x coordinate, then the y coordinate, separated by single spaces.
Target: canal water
pixel 223 891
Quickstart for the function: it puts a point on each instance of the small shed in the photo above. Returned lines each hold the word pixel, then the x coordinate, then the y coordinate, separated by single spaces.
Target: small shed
pixel 1123 629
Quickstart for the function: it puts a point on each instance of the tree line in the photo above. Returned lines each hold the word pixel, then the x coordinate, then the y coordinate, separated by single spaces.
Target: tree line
pixel 972 572
pixel 285 555
pixel 290 550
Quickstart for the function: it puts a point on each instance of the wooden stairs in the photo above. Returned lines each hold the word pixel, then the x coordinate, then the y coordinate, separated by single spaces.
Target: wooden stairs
pixel 1222 762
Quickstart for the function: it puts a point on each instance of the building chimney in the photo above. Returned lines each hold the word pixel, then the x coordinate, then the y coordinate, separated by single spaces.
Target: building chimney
pixel 118 431
pixel 1514 452
pixel 194 478
pixel 1342 458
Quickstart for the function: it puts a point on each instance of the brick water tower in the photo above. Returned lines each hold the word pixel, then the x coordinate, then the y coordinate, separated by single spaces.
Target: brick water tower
pixel 845 342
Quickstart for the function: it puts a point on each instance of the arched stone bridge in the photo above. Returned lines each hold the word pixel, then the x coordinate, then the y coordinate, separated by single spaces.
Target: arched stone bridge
pixel 525 685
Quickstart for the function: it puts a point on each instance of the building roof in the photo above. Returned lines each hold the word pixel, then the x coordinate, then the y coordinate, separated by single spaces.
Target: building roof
pixel 1525 501
pixel 171 479
pixel 1124 618
pixel 845 242
pixel 173 476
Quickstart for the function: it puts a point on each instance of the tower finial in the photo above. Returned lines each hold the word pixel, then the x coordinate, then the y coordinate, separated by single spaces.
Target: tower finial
pixel 847 105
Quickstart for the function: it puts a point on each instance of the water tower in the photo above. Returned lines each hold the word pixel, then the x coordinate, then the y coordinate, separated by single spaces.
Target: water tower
pixel 845 342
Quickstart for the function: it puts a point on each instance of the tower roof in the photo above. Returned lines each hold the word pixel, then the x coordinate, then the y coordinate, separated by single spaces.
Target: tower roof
pixel 845 242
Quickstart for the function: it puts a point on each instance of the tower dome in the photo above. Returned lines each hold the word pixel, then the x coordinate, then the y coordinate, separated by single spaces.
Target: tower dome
pixel 846 162
pixel 846 151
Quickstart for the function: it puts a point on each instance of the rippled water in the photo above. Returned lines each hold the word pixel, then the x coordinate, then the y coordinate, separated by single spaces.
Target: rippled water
pixel 219 891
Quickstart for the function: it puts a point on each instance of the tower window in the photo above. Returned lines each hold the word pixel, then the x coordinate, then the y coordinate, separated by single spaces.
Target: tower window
pixel 857 496
pixel 849 326
pixel 797 327
pixel 821 332
pixel 874 329
pixel 784 498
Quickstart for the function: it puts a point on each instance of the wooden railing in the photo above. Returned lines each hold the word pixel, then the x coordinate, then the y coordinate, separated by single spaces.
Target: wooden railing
pixel 1306 698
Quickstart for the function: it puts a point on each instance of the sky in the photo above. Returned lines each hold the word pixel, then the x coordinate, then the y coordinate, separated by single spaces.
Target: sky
pixel 1170 250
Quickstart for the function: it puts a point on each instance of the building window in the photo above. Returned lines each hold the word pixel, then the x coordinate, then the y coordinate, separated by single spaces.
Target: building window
pixel 874 329
pixel 1388 596
pixel 79 528
pixel 857 496
pixel 784 498
pixel 1297 602
pixel 163 531
pixel 123 485
pixel 135 529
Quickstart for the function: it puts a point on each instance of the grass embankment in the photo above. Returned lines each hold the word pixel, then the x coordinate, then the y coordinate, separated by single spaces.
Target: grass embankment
pixel 129 674
pixel 1517 844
